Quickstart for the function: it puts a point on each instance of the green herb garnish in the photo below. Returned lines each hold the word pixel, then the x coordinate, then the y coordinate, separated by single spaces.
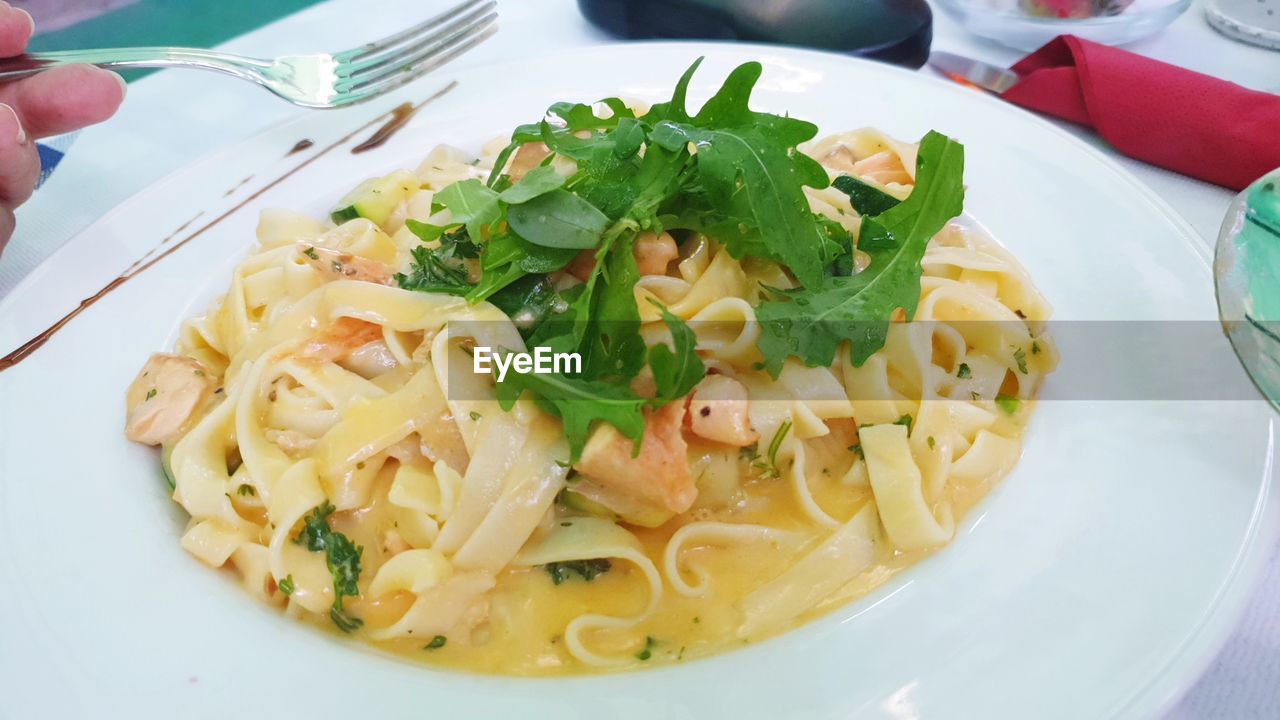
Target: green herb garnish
pixel 1007 403
pixel 770 468
pixel 341 556
pixel 810 323
pixel 586 569
pixel 647 651
pixel 906 421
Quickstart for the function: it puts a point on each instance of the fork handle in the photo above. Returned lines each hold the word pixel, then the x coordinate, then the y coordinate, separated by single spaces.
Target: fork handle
pixel 153 57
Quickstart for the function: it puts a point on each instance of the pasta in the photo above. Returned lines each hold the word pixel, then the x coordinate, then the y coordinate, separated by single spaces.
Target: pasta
pixel 323 430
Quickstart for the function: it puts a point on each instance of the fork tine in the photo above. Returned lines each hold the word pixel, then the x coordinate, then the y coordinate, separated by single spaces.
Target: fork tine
pixel 379 45
pixel 392 81
pixel 409 50
pixel 409 64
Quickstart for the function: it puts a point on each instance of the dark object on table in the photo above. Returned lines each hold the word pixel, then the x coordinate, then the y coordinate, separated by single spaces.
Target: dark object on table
pixel 894 31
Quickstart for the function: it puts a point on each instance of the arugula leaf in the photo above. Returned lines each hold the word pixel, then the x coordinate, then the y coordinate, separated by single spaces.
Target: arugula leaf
pixel 675 373
pixel 578 403
pixel 538 181
pixel 750 173
pixel 865 198
pixel 628 137
pixel 528 301
pixel 606 321
pixel 426 232
pixel 838 246
pixel 472 204
pixel 811 323
pixel 558 219
pixel 508 257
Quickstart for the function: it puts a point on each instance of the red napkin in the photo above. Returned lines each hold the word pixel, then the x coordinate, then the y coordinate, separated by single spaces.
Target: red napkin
pixel 1168 116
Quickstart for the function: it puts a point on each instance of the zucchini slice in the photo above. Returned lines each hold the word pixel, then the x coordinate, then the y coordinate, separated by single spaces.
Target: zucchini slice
pixel 376 198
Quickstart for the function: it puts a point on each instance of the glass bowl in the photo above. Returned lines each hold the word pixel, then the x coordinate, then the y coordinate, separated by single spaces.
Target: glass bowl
pixel 1246 273
pixel 1028 24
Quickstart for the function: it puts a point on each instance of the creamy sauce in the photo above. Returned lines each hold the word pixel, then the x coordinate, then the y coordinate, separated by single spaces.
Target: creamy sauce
pixel 528 612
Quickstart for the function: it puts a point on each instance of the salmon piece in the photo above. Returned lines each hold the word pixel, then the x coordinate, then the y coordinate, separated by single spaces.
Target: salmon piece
pixel 345 336
pixel 653 253
pixel 718 411
pixel 582 264
pixel 527 157
pixel 657 479
pixel 336 265
pixel 884 167
pixel 167 393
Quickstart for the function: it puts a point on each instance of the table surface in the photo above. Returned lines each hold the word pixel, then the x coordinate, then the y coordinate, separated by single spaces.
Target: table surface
pixel 170 118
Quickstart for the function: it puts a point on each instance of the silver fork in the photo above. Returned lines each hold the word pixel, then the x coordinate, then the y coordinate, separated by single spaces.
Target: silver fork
pixel 317 81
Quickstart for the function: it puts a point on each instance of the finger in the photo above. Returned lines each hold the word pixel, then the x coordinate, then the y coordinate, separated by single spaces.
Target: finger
pixel 19 162
pixel 6 226
pixel 16 27
pixel 64 98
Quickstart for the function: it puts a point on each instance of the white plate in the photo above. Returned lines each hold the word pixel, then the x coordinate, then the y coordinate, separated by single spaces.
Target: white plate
pixel 1094 582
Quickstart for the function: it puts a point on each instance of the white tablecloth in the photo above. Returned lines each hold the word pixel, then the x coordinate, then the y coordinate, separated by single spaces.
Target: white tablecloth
pixel 171 118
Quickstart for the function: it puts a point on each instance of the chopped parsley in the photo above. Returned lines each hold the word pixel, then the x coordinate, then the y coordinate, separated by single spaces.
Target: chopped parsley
pixel 246 489
pixel 856 449
pixel 286 585
pixel 770 469
pixel 906 421
pixel 475 416
pixel 1020 357
pixel 150 394
pixel 342 558
pixel 1007 403
pixel 436 643
pixel 964 371
pixel 931 442
pixel 647 651
pixel 311 253
pixel 586 569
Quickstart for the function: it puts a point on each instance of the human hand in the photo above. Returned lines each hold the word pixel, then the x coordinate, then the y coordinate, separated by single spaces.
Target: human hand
pixel 55 101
